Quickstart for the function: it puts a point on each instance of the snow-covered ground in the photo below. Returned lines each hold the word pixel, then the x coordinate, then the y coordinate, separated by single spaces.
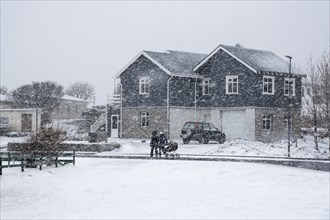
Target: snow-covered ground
pixel 164 189
pixel 238 147
pixel 305 148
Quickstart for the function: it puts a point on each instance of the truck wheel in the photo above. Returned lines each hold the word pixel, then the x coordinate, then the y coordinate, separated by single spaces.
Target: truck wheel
pixel 222 139
pixel 185 140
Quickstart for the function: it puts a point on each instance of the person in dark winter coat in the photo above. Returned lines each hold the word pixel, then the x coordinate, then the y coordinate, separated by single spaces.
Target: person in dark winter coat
pixel 162 143
pixel 154 143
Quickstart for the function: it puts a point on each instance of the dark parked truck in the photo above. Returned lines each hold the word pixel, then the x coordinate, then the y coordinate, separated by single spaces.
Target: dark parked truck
pixel 201 132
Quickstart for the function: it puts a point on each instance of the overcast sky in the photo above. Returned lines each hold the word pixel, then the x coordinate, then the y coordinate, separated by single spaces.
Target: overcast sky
pixel 91 41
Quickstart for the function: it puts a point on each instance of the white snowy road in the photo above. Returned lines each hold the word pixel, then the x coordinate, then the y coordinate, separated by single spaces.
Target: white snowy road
pixel 164 189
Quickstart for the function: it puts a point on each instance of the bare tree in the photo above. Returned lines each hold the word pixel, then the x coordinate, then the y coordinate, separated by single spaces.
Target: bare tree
pixel 82 90
pixel 318 82
pixel 42 95
pixel 323 68
pixel 313 109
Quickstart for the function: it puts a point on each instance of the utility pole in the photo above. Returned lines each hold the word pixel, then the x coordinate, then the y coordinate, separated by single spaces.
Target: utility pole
pixel 289 106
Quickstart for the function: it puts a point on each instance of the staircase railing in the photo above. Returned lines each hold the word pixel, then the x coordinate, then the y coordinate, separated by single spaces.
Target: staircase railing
pixel 98 123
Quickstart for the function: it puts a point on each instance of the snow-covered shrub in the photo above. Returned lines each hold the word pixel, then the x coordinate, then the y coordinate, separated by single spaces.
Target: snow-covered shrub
pixel 45 144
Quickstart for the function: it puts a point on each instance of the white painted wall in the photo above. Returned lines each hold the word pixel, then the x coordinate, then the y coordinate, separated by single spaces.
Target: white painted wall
pixel 234 124
pixel 250 124
pixel 15 118
pixel 178 117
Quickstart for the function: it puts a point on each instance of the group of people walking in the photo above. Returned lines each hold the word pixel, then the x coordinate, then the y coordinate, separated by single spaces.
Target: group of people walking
pixel 158 143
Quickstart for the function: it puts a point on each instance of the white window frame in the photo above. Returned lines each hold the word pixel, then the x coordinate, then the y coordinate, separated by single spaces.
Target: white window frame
pixel 4 120
pixel 145 119
pixel 287 84
pixel 144 85
pixel 272 84
pixel 267 118
pixel 230 80
pixel 206 86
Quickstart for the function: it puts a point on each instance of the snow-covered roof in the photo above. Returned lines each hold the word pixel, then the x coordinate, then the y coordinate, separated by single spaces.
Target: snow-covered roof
pixel 180 63
pixel 261 60
pixel 174 63
pixel 177 62
pixel 19 110
pixel 65 97
pixel 256 60
pixel 71 98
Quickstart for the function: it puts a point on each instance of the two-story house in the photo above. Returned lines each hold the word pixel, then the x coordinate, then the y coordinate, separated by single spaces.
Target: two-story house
pixel 244 92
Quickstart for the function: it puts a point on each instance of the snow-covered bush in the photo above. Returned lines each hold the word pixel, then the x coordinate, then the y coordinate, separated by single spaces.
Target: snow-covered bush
pixel 45 144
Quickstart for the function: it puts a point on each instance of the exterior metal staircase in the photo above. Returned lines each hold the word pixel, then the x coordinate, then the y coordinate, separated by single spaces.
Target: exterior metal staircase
pixel 101 121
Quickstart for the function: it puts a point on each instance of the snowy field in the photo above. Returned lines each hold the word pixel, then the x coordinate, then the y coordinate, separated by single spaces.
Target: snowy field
pixel 238 147
pixel 164 189
pixel 304 148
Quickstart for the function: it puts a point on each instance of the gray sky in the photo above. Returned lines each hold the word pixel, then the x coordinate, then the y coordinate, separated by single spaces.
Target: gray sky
pixel 90 41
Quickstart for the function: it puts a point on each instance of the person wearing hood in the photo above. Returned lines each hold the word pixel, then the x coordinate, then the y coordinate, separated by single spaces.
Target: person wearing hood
pixel 154 142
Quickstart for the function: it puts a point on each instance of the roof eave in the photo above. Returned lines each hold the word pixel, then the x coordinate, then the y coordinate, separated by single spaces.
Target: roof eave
pixel 148 57
pixel 282 73
pixel 220 47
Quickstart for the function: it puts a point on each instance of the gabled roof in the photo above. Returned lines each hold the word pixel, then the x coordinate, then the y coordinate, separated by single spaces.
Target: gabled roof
pixel 256 60
pixel 71 98
pixel 177 62
pixel 65 97
pixel 171 62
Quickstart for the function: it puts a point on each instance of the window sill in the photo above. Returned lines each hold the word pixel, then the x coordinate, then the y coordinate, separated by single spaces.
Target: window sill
pixel 268 93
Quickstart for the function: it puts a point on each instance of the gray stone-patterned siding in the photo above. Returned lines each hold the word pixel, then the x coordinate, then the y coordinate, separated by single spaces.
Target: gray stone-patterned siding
pixel 279 130
pixel 132 122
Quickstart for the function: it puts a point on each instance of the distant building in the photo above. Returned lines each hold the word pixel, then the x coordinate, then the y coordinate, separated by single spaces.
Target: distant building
pixel 70 108
pixel 23 120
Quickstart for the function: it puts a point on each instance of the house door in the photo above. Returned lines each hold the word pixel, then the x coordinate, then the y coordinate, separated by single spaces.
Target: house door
pixel 234 124
pixel 26 123
pixel 114 125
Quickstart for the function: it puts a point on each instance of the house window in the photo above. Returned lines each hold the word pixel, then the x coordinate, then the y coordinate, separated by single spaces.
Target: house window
pixel 289 87
pixel 144 119
pixel 231 84
pixel 206 87
pixel 4 120
pixel 267 122
pixel 286 122
pixel 268 85
pixel 144 85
